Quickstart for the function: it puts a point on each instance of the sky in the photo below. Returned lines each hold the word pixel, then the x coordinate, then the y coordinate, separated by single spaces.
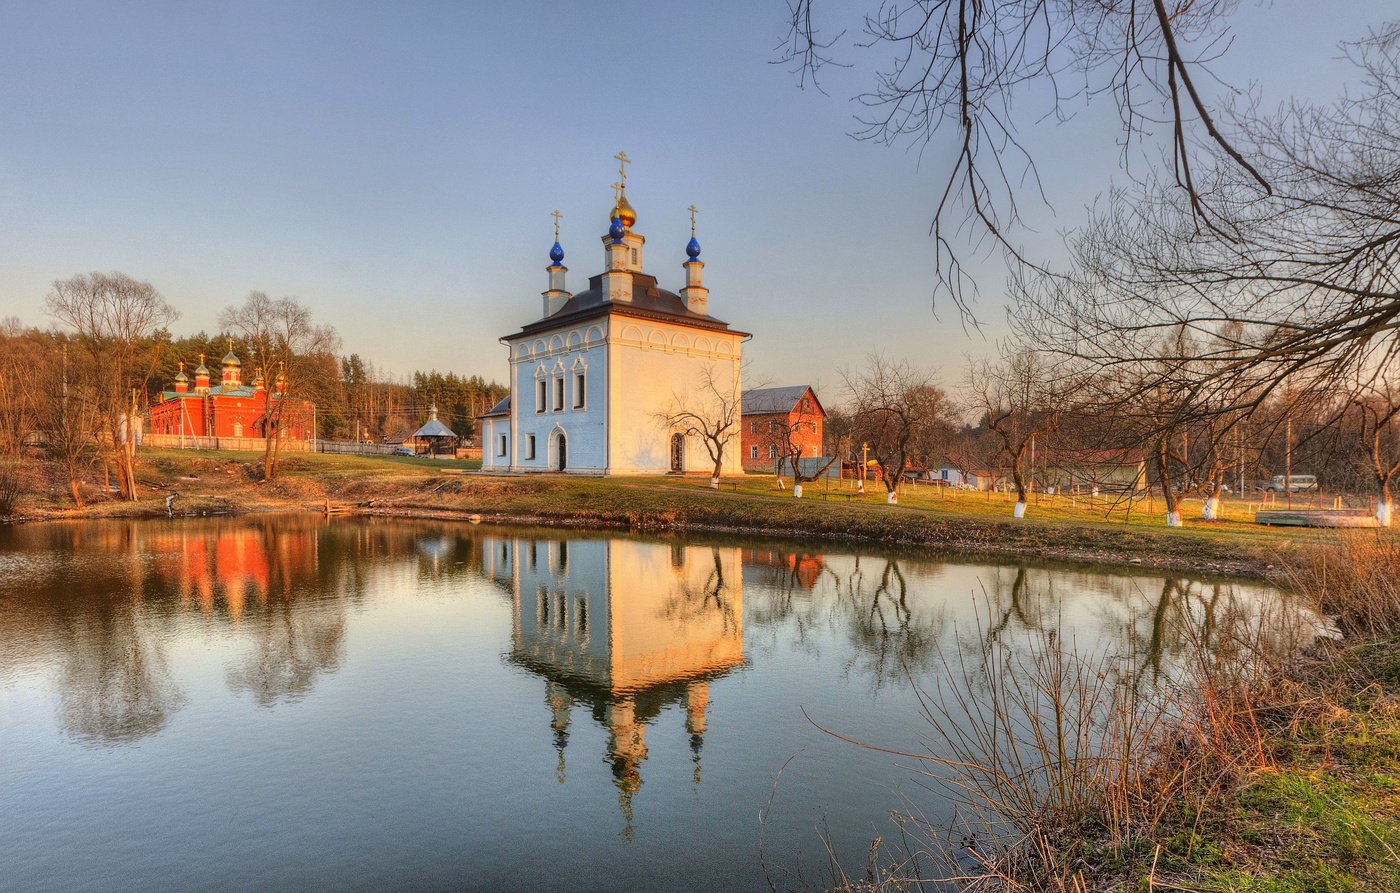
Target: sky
pixel 394 167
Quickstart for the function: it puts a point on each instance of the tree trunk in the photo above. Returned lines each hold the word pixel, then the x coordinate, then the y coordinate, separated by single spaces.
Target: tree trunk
pixel 1168 494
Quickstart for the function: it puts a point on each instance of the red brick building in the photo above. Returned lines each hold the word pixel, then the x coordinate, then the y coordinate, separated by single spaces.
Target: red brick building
pixel 232 409
pixel 777 421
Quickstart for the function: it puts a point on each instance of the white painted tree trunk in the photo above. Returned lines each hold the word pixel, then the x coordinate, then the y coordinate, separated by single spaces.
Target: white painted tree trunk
pixel 1019 511
pixel 1173 519
pixel 1384 512
pixel 796 491
pixel 714 482
pixel 1211 510
pixel 892 498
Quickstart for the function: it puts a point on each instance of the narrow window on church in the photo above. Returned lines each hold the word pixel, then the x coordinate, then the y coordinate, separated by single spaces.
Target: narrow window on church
pixel 529 446
pixel 634 255
pixel 753 427
pixel 579 391
pixel 539 396
pixel 559 394
pixel 501 447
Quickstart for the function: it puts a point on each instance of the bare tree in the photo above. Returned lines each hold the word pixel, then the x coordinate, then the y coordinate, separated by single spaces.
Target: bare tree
pixel 116 322
pixel 970 73
pixel 894 403
pixel 1022 397
pixel 792 447
pixel 709 412
pixel 286 342
pixel 1292 293
pixel 66 415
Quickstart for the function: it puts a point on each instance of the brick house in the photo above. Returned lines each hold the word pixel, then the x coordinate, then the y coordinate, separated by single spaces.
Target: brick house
pixel 773 418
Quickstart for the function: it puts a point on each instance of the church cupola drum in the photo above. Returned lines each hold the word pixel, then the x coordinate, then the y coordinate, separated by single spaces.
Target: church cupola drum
pixel 593 378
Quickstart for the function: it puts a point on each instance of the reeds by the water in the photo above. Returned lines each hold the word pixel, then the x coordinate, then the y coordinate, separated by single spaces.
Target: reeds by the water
pixel 1070 774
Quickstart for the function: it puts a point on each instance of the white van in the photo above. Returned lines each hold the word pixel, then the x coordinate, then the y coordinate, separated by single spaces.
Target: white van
pixel 1294 483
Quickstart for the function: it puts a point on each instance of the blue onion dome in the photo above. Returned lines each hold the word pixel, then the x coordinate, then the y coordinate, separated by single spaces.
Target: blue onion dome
pixel 616 230
pixel 556 254
pixel 692 249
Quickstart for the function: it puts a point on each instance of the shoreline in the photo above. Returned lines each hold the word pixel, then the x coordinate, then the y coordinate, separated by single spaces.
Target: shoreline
pixel 962 524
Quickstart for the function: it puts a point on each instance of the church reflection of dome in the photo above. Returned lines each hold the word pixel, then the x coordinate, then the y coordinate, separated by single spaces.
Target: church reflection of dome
pixel 625 630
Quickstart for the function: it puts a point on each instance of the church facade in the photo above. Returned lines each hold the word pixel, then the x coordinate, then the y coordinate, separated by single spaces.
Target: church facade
pixel 595 378
pixel 230 409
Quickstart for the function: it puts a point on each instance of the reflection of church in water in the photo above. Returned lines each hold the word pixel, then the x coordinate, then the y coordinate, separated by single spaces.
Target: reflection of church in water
pixel 622 629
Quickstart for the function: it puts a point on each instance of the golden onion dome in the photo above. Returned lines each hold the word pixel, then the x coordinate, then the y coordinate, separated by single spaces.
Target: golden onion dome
pixel 625 212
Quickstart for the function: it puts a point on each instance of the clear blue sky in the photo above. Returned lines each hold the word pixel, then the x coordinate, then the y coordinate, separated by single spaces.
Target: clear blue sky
pixel 395 165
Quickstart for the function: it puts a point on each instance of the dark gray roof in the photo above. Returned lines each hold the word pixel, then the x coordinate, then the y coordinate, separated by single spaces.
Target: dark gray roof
pixel 648 301
pixel 434 428
pixel 502 408
pixel 764 400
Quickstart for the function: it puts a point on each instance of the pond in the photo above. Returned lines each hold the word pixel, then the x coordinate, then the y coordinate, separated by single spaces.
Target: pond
pixel 289 703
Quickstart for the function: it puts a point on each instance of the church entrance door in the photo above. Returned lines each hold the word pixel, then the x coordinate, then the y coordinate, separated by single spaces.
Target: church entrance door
pixel 561 451
pixel 677 453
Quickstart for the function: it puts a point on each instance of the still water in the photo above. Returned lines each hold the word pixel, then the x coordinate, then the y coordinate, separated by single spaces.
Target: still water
pixel 284 703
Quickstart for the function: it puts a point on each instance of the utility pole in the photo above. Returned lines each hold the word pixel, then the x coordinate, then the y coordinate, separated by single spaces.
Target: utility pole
pixel 1288 460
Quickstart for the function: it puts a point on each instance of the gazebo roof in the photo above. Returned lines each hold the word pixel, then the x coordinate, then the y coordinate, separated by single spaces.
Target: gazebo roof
pixel 434 428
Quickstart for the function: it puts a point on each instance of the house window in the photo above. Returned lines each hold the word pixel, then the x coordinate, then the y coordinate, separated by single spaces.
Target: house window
pixel 772 425
pixel 539 396
pixel 753 427
pixel 753 452
pixel 501 446
pixel 559 394
pixel 579 390
pixel 529 446
pixel 772 451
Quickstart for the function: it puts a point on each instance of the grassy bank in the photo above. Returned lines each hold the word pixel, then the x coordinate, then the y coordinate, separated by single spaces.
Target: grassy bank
pixel 1057 527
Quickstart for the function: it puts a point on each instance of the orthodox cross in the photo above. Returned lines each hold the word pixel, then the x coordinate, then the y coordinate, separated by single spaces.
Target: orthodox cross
pixel 622 168
pixel 556 215
pixel 617 193
pixel 691 209
pixel 201 359
pixel 230 345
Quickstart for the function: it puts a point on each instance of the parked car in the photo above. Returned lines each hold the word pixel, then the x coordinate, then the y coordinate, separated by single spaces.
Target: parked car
pixel 1293 483
pixel 404 451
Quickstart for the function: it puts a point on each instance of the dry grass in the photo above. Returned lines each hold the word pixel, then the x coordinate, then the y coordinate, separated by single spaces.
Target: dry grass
pixel 1355 578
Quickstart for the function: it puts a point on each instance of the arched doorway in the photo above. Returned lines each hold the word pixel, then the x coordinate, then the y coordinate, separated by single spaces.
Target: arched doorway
pixel 677 454
pixel 560 448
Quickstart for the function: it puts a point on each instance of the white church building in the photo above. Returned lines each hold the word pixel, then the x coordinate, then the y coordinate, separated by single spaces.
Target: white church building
pixel 593 378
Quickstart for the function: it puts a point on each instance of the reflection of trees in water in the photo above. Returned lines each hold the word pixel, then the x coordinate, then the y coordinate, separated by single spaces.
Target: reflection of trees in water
pixel 892 629
pixel 705 600
pixel 892 639
pixel 294 646
pixel 115 685
pixel 1155 627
